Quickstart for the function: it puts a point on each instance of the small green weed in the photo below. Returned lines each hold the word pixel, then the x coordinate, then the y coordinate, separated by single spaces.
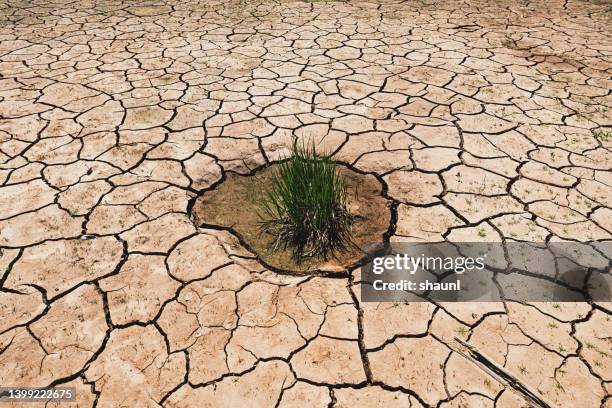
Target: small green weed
pixel 602 135
pixel 306 205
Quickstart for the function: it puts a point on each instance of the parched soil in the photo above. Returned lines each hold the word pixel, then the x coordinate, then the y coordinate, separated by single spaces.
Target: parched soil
pixel 486 121
pixel 235 205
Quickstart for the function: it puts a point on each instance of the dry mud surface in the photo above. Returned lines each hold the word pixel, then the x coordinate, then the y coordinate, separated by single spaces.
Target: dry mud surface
pixel 115 115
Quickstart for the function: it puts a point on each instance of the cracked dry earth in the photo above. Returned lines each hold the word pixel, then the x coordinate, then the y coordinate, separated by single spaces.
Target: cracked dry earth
pixel 114 116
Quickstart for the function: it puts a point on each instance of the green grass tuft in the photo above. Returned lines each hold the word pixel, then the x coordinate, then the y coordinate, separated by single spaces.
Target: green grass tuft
pixel 601 134
pixel 305 207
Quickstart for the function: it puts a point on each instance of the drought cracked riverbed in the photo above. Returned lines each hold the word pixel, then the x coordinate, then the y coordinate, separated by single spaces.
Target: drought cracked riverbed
pixel 484 120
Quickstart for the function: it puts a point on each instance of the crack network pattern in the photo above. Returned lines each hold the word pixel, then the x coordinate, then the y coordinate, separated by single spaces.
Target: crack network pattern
pixel 483 120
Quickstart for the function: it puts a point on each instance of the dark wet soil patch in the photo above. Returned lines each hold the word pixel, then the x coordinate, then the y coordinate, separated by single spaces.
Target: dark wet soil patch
pixel 233 204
